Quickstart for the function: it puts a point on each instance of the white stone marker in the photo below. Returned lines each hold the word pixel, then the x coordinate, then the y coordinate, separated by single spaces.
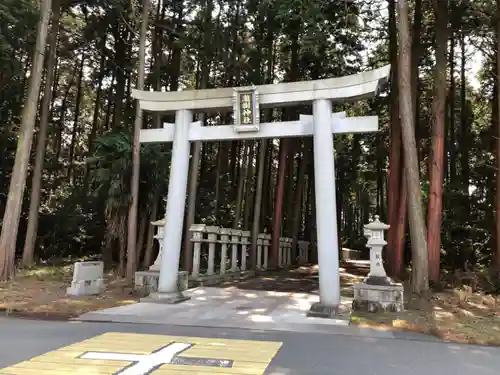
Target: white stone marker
pixel 88 279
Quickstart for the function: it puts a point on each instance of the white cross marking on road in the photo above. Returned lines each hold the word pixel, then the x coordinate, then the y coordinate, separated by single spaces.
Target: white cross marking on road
pixel 144 364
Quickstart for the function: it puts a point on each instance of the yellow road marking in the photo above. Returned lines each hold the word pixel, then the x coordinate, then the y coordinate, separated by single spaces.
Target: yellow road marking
pixel 142 354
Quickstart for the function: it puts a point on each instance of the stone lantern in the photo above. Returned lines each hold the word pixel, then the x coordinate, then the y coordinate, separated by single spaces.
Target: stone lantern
pixel 377 291
pixel 374 232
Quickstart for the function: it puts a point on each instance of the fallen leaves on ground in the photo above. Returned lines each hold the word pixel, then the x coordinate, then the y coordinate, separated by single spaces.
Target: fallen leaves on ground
pixel 454 315
pixel 43 292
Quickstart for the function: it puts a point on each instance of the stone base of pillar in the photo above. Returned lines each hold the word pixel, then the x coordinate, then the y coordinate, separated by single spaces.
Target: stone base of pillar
pixel 321 310
pixel 146 282
pixel 374 298
pixel 378 280
pixel 166 298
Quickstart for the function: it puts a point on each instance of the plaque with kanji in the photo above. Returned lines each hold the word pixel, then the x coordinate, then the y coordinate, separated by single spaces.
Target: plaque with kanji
pixel 246 109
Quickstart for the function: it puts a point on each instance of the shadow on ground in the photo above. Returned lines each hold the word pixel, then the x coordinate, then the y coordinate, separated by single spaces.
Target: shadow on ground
pixel 302 279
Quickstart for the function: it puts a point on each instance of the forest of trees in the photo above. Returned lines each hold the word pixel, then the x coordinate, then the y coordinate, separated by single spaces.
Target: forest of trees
pixel 68 175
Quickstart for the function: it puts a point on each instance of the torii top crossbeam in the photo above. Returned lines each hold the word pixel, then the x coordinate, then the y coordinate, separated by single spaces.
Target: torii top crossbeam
pixel 347 88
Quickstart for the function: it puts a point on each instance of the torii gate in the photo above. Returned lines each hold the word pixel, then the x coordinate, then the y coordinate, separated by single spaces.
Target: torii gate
pixel 246 103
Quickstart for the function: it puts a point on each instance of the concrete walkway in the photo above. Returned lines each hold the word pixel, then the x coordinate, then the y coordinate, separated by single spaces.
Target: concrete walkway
pixel 275 300
pixel 229 307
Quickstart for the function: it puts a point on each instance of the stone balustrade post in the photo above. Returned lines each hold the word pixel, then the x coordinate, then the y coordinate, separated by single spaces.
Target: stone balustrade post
pixel 224 241
pixel 303 251
pixel 197 231
pixel 260 243
pixel 266 245
pixel 281 253
pixel 235 241
pixel 289 251
pixel 213 233
pixel 285 252
pixel 245 242
pixel 300 252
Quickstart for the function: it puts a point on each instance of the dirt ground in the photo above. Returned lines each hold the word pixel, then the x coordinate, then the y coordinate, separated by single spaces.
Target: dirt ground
pixel 42 293
pixel 457 315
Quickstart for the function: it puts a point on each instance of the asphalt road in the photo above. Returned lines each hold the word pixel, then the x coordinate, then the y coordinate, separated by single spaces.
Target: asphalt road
pixel 300 353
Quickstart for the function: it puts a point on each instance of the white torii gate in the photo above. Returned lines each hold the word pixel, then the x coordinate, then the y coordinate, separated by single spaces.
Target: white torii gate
pixel 246 103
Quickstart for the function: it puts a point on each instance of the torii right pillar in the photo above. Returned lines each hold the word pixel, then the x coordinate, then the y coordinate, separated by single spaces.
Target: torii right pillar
pixel 329 304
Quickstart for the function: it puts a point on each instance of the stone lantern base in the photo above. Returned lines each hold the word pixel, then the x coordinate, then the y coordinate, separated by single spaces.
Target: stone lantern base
pixel 373 297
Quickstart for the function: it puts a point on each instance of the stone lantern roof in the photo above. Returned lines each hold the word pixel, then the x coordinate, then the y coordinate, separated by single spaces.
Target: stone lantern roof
pixel 377 225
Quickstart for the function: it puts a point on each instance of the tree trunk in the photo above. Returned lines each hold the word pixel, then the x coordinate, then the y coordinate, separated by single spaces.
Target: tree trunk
pixel 241 185
pixel 195 159
pixel 132 213
pixel 464 130
pixel 420 265
pixel 258 200
pixel 435 208
pixel 278 206
pixel 160 15
pixel 299 193
pixel 120 39
pixel 74 131
pixel 248 186
pixel 497 257
pixel 396 167
pixel 30 240
pixel 218 174
pixel 141 235
pixel 97 108
pixel 452 143
pixel 10 227
pixel 415 64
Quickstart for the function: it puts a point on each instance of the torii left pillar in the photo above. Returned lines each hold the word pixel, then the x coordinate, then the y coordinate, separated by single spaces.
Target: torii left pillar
pixel 168 291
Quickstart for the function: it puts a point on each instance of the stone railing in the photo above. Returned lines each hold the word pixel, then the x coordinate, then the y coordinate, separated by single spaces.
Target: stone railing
pixel 285 254
pixel 222 253
pixel 218 251
pixel 263 246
